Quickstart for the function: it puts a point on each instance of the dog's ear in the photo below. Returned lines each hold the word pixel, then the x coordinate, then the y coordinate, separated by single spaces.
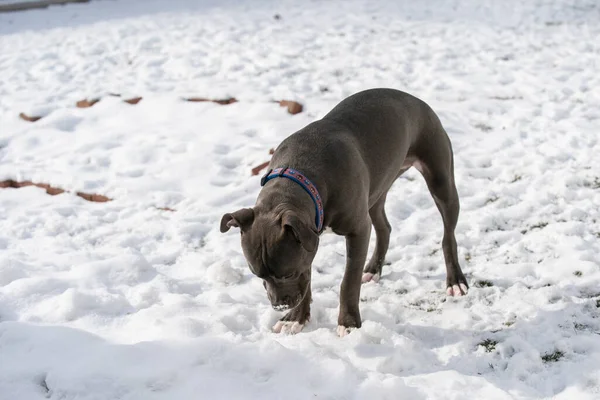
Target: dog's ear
pixel 307 237
pixel 240 219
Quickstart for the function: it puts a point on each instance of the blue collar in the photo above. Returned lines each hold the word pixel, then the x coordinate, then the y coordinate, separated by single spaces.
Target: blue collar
pixel 303 181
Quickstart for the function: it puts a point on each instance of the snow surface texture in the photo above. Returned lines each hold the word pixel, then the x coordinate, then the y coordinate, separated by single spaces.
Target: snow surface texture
pixel 121 300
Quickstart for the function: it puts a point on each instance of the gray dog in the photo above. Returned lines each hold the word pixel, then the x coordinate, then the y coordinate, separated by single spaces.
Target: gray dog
pixel 335 173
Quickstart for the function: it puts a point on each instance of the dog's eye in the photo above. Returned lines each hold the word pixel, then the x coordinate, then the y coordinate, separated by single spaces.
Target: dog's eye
pixel 284 278
pixel 290 276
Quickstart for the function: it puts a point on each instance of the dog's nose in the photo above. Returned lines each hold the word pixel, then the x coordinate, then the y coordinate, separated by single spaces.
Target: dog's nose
pixel 282 304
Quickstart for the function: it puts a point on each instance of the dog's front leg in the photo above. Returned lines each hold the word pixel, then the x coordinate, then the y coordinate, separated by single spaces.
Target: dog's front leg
pixel 357 245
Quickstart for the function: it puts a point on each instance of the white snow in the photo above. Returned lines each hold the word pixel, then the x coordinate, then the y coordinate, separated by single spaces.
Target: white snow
pixel 122 300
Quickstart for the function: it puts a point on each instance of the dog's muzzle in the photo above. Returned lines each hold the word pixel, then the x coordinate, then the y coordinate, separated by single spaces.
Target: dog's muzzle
pixel 285 302
pixel 281 307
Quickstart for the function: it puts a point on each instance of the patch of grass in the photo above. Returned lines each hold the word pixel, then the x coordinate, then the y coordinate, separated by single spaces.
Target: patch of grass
pixel 509 323
pixel 417 303
pixel 401 291
pixel 578 273
pixel 200 244
pixel 580 327
pixel 539 225
pixel 594 185
pixel 516 178
pixel 468 257
pixel 483 283
pixel 44 385
pixel 489 345
pixel 430 309
pixel 553 357
pixel 491 200
pixel 483 127
pixel 504 98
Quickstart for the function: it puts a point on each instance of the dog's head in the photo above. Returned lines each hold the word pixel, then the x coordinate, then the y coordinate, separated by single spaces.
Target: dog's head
pixel 279 248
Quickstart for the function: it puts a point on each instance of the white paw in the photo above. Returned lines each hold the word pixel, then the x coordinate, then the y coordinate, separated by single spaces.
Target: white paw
pixel 289 327
pixel 368 277
pixel 456 290
pixel 343 331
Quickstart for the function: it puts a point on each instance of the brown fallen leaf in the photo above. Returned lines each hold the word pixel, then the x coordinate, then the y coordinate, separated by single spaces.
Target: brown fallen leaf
pixel 293 106
pixel 97 198
pixel 256 170
pixel 223 102
pixel 85 103
pixel 52 190
pixel 23 184
pixel 28 118
pixel 133 101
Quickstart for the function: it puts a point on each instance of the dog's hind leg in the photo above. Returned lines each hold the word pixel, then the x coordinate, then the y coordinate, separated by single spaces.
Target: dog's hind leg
pixel 436 164
pixel 383 229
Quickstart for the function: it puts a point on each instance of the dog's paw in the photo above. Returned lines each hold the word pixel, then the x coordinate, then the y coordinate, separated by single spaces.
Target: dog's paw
pixel 288 327
pixel 457 290
pixel 368 277
pixel 344 331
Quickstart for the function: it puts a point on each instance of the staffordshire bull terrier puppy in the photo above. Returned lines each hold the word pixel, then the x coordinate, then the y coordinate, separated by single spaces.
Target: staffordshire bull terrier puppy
pixel 335 174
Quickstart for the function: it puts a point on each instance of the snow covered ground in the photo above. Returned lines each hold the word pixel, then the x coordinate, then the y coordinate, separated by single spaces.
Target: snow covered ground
pixel 122 300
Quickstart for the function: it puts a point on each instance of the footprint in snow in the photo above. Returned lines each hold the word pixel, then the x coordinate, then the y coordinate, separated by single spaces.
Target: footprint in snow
pixel 221 149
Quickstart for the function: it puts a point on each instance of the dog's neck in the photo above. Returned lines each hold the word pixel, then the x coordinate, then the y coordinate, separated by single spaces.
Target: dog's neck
pixel 283 195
